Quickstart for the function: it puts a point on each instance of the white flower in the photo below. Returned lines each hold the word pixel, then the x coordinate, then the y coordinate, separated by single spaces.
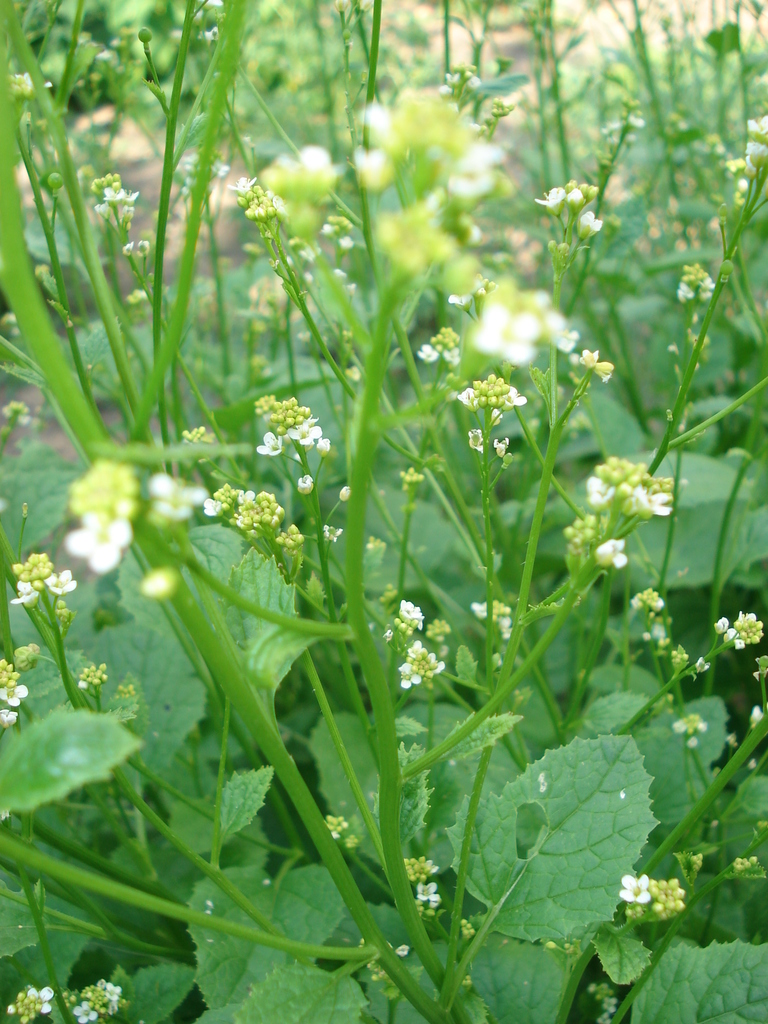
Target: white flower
pixel 479 609
pixel 475 175
pixel 467 398
pixel 513 398
pixel 611 553
pixel 428 894
pixel 756 715
pixel 323 446
pixel 172 499
pixel 641 501
pixel 553 200
pixel 8 718
pixel 476 440
pixel 345 493
pixel 346 243
pixel 428 354
pixel 685 293
pixel 143 247
pixel 17 695
pixel 588 225
pixel 374 168
pixel 102 544
pixel 306 433
pixel 27 595
pixel 701 665
pixel 566 341
pixel 512 336
pixel 403 951
pixel 342 6
pixel 46 994
pixel 635 890
pixel 61 583
pixel 128 249
pixel 411 614
pixel 706 287
pixel 757 154
pixel 305 484
pixel 462 301
pixel 388 635
pixel 575 199
pixel 722 625
pixel 500 446
pixel 83 1013
pixel 692 742
pixel 599 493
pixel 272 445
pixel 243 185
pixel 331 534
pixel 212 507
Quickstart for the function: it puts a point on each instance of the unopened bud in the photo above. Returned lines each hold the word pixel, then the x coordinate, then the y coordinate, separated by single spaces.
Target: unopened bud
pixel 726 269
pixel 145 36
pixel 55 182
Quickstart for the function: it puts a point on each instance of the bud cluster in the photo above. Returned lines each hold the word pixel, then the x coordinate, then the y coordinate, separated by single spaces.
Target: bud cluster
pixel 411 479
pixel 27 1005
pixel 21 87
pixel 261 205
pixel 25 658
pixel 695 281
pixel 444 344
pixel 501 615
pixel 291 540
pixel 420 666
pixel 283 416
pixel 667 899
pixel 93 677
pixel 747 629
pixel 748 867
pixel 494 394
pixel 258 514
pixel 36 569
pixel 115 200
pixel 419 869
pixel 690 726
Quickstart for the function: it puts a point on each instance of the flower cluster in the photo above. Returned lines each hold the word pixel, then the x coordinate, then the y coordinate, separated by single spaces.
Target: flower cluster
pixel 493 394
pixel 25 658
pixel 606 999
pixel 409 618
pixel 93 677
pixel 411 479
pixel 747 629
pixel 467 929
pixel 748 867
pixel 443 345
pixel 428 899
pixel 98 1002
pixel 10 690
pixel 114 200
pixel 438 630
pixel 420 665
pixel 291 540
pixel 664 898
pixel 513 324
pixel 689 726
pixel 338 827
pixel 173 501
pixel 626 487
pixel 592 361
pixel 502 615
pixel 695 281
pixel 419 869
pixel 649 600
pixel 757 146
pixel 573 198
pixel 258 514
pixel 32 576
pixel 198 435
pixel 27 1005
pixel 260 205
pixel 107 499
pixel 21 87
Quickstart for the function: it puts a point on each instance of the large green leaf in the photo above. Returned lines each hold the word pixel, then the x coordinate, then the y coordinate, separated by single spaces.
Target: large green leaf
pixel 519 982
pixel 623 957
pixel 727 984
pixel 17 926
pixel 306 906
pixel 158 990
pixel 493 856
pixel 39 476
pixel 608 714
pixel 592 796
pixel 242 799
pixel 217 548
pixel 751 800
pixel 56 755
pixel 270 649
pixel 300 994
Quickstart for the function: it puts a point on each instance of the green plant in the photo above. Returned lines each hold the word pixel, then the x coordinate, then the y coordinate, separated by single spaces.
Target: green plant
pixel 387 687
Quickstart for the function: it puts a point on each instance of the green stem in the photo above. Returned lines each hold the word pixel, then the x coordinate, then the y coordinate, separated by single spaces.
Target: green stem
pixel 697 431
pixel 67 78
pixel 216 838
pixel 569 994
pixel 462 873
pixel 45 947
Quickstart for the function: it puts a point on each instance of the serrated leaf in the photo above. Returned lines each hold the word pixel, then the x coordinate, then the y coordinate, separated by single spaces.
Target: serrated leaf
pixel 493 851
pixel 491 730
pixel 727 984
pixel 520 982
pixel 315 591
pixel 217 548
pixel 466 666
pixel 270 650
pixel 242 799
pixel 52 757
pixel 158 990
pixel 406 726
pixel 130 709
pixel 751 800
pixel 608 714
pixel 414 798
pixel 595 796
pixel 299 994
pixel 623 957
pixel 540 379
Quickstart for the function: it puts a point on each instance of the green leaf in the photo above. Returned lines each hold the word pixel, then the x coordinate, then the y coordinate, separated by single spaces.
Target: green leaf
pixel 307 906
pixel 491 730
pixel 270 649
pixel 217 548
pixel 608 714
pixel 727 984
pixel 724 40
pixel 158 990
pixel 414 798
pixel 520 982
pixel 52 757
pixel 406 726
pixel 17 926
pixel 540 380
pixel 466 666
pixel 501 86
pixel 493 851
pixel 614 424
pixel 751 800
pixel 623 957
pixel 595 796
pixel 300 994
pixel 39 476
pixel 242 798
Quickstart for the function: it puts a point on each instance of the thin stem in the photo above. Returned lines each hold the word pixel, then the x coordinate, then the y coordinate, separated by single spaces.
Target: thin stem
pixel 45 947
pixel 216 838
